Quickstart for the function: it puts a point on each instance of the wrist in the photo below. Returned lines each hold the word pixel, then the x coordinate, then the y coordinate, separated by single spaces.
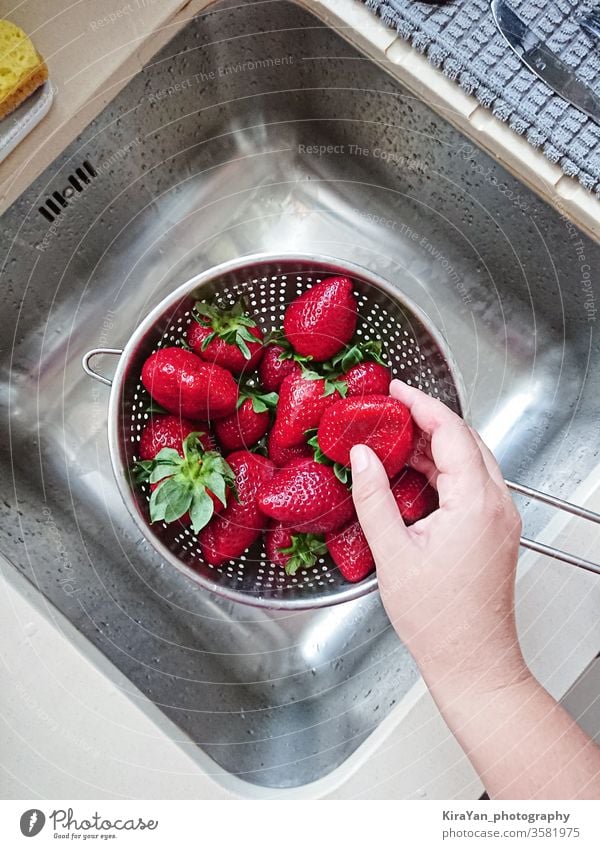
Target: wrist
pixel 474 671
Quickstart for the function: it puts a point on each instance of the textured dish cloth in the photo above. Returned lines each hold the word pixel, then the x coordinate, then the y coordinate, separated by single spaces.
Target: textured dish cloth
pixel 462 39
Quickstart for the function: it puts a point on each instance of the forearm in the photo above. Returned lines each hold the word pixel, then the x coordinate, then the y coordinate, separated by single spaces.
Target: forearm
pixel 521 742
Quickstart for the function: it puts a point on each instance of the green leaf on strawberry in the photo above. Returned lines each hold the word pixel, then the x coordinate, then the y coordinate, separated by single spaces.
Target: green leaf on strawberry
pixel 332 383
pixel 183 483
pixel 208 340
pixel 341 472
pixel 304 552
pixel 278 337
pixel 229 324
pixel 171 500
pixel 335 385
pixel 261 402
pixel 358 352
pixel 201 509
pixel 313 441
pixel 310 374
pixel 217 476
pixel 155 409
pixel 165 464
pixel 142 470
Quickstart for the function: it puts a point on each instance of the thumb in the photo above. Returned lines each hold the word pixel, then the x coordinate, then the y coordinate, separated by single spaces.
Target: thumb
pixel 376 507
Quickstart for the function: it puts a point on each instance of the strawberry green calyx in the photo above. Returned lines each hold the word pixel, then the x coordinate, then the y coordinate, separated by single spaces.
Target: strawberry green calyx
pixel 330 375
pixel 278 337
pixel 184 484
pixel 231 325
pixel 304 552
pixel 331 384
pixel 319 457
pixel 261 402
pixel 155 409
pixel 341 472
pixel 354 354
pixel 260 448
pixel 141 470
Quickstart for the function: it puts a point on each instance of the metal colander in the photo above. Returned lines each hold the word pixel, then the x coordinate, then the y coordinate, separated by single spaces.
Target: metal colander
pixel 416 353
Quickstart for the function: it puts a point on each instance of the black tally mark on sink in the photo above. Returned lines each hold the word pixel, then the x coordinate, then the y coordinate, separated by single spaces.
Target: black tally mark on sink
pixel 77 182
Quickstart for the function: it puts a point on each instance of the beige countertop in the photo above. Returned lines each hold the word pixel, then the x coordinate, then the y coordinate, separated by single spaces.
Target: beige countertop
pixel 92 48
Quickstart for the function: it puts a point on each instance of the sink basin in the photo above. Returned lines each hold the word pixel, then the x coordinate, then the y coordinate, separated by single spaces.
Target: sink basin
pixel 258 128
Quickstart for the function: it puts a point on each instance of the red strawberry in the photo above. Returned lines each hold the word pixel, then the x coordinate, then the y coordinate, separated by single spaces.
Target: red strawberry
pixel 350 552
pixel 278 537
pixel 307 496
pixel 281 456
pixel 249 423
pixel 275 365
pixel 379 421
pixel 187 483
pixel 228 338
pixel 367 378
pixel 414 496
pixel 291 549
pixel 302 402
pixel 169 432
pixel 322 320
pixel 241 523
pixel 184 385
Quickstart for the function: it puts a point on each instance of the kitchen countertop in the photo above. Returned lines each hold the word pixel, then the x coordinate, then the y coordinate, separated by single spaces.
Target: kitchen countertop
pixel 92 49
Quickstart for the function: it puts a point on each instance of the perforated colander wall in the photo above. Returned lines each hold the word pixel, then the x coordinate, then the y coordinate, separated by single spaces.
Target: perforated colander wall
pixel 412 350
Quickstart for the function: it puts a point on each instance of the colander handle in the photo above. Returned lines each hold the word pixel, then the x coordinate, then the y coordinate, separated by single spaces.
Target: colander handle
pixel 566 507
pixel 96 352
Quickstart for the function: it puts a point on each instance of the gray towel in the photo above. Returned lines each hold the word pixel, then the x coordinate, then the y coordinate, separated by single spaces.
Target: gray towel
pixel 461 38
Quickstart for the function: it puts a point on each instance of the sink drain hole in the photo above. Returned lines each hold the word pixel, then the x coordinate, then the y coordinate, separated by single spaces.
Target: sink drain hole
pixel 54 205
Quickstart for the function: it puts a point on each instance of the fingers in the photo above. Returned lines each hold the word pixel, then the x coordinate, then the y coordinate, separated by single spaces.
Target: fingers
pixel 426 466
pixel 377 511
pixel 454 450
pixel 421 442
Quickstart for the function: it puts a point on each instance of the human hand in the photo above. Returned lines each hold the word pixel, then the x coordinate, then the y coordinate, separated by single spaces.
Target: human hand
pixel 447 582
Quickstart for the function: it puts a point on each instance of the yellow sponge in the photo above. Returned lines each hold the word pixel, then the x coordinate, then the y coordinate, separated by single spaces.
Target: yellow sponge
pixel 22 69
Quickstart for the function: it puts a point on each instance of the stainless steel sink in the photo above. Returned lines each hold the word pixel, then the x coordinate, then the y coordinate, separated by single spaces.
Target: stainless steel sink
pixel 256 129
